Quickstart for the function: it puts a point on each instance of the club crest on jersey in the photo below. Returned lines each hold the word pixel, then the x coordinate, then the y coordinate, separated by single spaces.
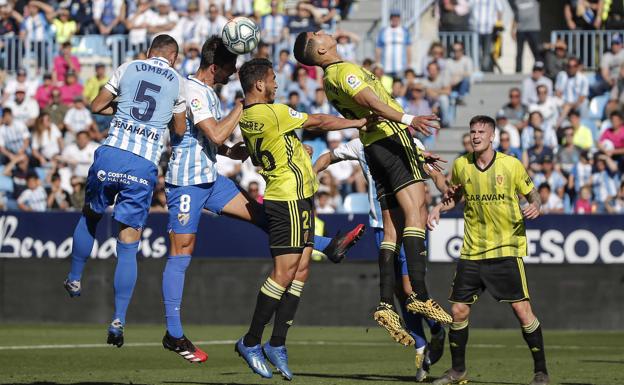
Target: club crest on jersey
pixel 101 175
pixel 353 81
pixel 500 179
pixel 196 104
pixel 295 114
pixel 184 218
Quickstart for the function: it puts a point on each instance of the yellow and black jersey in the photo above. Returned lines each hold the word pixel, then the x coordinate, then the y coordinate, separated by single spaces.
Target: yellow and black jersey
pixel 494 226
pixel 342 81
pixel 269 135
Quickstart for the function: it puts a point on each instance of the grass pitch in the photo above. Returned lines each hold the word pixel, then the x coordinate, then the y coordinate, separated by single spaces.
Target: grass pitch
pixel 76 354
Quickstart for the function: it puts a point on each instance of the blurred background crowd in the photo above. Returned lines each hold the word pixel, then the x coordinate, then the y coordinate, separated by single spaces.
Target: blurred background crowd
pixel 562 120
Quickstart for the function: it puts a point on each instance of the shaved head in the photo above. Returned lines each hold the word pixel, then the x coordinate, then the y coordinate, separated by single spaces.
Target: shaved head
pixel 304 49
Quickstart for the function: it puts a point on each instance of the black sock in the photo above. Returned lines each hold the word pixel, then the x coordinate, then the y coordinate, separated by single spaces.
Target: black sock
pixel 458 339
pixel 532 334
pixel 387 277
pixel 285 313
pixel 416 254
pixel 268 300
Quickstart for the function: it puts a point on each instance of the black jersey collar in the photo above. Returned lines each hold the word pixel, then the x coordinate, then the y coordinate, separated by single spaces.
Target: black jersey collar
pixel 474 160
pixel 251 105
pixel 331 64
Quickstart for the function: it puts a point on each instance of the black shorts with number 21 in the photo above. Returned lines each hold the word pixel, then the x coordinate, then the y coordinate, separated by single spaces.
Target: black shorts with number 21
pixel 291 225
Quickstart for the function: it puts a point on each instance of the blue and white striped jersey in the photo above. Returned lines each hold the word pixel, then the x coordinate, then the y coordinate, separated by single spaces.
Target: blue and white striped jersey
pixel 572 88
pixel 148 93
pixel 393 43
pixel 194 157
pixel 483 15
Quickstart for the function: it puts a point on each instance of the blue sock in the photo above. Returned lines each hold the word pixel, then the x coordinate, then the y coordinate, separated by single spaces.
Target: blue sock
pixel 125 277
pixel 172 288
pixel 84 236
pixel 414 326
pixel 320 243
pixel 434 326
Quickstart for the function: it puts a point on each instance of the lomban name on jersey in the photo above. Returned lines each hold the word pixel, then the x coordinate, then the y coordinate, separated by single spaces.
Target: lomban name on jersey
pixel 485 197
pixel 157 70
pixel 251 126
pixel 131 128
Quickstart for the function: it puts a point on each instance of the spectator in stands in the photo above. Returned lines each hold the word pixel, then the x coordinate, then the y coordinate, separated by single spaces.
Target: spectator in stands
pixel 583 14
pixel 484 16
pixel 616 97
pixel 536 121
pixel 109 16
pixel 25 109
pixel 459 69
pixel 71 88
pixel 347 44
pixel 78 119
pixel 394 46
pixel 164 21
pixel 14 136
pixel 515 111
pixel 137 24
pixel 549 175
pixel 555 58
pixel 216 22
pixel 581 173
pixel 323 203
pixel 604 180
pixel 505 146
pixel 238 8
pixel 43 96
pixel 21 81
pixel 568 154
pixel 34 197
pixel 438 89
pixel 56 109
pixel 47 140
pixel 547 106
pixel 253 189
pixel 263 51
pixel 95 83
pixel 58 199
pixel 584 204
pixel 190 63
pixel 386 81
pixel 64 26
pixel 435 54
pixel 10 20
pixel 79 155
pixel 398 92
pixel 551 203
pixel 537 152
pixel 526 28
pixel 18 168
pixel 583 137
pixel 611 141
pixel 343 173
pixel 320 105
pixel 306 20
pixel 327 11
pixel 65 62
pixel 274 27
pixel 284 70
pixel 610 64
pixel 615 204
pixel 303 86
pixel 503 125
pixel 77 197
pixel 35 29
pixel 573 88
pixel 417 104
pixel 454 15
pixel 530 84
pixel 82 12
pixel 327 183
pixel 194 25
pixel 467 144
pixel 294 102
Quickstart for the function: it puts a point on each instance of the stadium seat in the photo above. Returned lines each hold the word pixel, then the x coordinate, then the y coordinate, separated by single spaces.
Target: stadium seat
pixel 318 146
pixel 597 106
pixel 6 184
pixel 356 203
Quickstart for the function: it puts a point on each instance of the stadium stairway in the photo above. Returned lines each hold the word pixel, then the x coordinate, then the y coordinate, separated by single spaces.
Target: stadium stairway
pixel 486 97
pixel 364 14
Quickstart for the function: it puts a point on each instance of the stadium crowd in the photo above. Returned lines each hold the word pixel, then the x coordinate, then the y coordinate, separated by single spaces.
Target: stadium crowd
pixel 565 124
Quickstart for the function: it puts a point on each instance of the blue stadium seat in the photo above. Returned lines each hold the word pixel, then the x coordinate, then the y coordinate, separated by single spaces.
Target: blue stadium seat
pixel 6 184
pixel 318 146
pixel 597 106
pixel 356 203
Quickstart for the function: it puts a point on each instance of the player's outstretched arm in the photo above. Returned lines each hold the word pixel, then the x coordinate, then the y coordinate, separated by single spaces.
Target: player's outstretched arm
pixel 324 161
pixel 103 103
pixel 218 132
pixel 532 210
pixel 451 197
pixel 367 98
pixel 324 122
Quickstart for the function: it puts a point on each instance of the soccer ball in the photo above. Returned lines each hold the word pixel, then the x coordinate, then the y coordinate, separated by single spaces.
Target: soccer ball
pixel 240 35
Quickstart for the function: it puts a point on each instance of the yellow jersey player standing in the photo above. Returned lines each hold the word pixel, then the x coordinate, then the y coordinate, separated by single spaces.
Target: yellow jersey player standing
pixel 395 165
pixel 268 130
pixel 494 243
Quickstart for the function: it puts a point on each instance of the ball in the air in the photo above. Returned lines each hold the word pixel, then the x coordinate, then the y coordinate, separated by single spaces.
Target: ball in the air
pixel 240 35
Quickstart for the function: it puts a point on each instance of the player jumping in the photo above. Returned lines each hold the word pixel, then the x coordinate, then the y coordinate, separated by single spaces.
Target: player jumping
pixel 193 185
pixel 268 130
pixel 394 164
pixel 494 244
pixel 143 96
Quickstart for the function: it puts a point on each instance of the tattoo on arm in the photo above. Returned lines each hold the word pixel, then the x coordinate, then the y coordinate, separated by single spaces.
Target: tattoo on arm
pixel 534 198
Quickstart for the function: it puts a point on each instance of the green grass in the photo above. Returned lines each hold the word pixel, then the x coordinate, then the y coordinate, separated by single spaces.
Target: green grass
pixel 318 355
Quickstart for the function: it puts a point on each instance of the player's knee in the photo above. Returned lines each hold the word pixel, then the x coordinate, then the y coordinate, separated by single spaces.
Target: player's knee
pixel 285 275
pixel 460 312
pixel 523 312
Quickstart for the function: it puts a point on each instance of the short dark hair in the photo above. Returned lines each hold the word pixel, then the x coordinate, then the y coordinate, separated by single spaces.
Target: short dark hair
pixel 83 132
pixel 544 185
pixel 616 113
pixel 164 42
pixel 575 113
pixel 214 52
pixel 482 119
pixel 7 111
pixel 304 49
pixel 293 93
pixel 252 71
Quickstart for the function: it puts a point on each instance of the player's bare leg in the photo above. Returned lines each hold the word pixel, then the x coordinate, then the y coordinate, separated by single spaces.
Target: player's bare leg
pixel 532 333
pixel 385 314
pixel 458 339
pixel 412 201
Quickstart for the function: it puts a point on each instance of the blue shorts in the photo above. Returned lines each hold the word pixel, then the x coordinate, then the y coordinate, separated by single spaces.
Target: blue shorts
pixel 185 203
pixel 401 260
pixel 124 179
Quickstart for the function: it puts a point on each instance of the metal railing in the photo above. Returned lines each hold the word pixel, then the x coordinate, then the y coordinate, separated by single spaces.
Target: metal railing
pixel 17 53
pixel 588 46
pixel 470 40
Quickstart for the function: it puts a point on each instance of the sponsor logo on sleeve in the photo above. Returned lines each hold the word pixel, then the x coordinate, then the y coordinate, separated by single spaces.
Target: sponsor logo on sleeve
pixel 196 104
pixel 353 81
pixel 295 114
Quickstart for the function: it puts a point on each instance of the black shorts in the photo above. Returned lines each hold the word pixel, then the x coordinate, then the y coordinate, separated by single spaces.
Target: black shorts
pixel 291 225
pixel 395 162
pixel 504 278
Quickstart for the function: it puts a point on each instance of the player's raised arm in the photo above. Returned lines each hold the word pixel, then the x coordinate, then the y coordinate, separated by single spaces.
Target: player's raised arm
pixel 324 122
pixel 346 151
pixel 218 132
